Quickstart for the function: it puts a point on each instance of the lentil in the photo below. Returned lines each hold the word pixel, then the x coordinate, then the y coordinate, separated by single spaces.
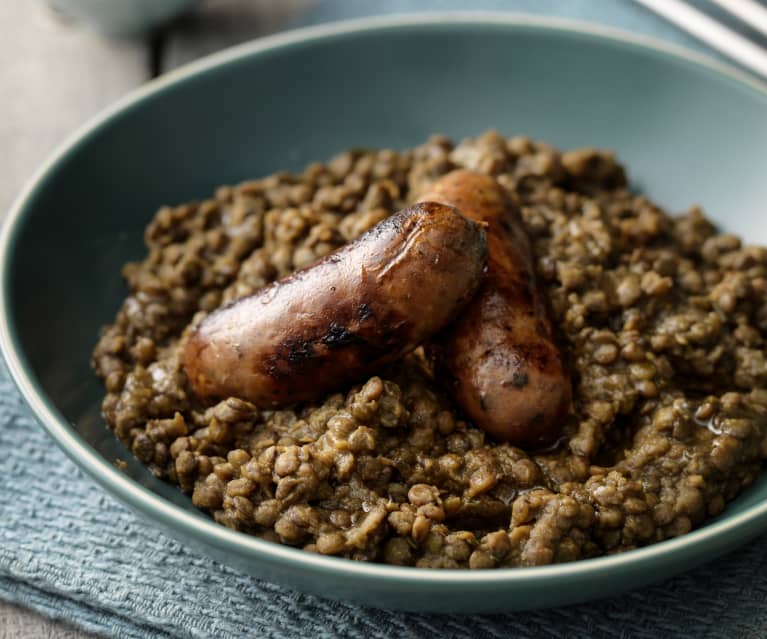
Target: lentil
pixel 662 320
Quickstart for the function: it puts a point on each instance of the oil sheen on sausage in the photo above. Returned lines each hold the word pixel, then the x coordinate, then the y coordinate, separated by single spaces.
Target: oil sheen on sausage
pixel 499 357
pixel 329 325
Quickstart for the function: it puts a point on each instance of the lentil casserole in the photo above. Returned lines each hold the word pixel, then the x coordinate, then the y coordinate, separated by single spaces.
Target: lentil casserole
pixel 662 321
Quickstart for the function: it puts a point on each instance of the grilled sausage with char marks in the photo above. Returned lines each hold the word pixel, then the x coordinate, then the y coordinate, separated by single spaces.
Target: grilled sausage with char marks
pixel 503 366
pixel 343 318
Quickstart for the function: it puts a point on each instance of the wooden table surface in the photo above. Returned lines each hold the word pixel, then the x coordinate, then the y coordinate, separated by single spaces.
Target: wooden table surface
pixel 55 74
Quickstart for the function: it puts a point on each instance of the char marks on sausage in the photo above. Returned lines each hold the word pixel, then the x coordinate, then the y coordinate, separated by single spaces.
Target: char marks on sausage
pixel 499 357
pixel 335 322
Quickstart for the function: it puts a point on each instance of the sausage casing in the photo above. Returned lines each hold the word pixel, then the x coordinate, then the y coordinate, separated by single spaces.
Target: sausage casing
pixel 328 325
pixel 499 357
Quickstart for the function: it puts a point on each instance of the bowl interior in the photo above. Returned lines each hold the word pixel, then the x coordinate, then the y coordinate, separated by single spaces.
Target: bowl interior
pixel 687 133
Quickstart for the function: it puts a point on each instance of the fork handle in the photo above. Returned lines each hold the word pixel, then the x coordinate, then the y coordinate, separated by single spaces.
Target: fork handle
pixel 753 13
pixel 708 30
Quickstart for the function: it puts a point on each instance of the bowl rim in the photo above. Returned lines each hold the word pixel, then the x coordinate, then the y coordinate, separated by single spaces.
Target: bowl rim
pixel 189 525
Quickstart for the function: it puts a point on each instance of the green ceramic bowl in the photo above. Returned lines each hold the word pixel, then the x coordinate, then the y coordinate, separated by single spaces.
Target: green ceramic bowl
pixel 690 130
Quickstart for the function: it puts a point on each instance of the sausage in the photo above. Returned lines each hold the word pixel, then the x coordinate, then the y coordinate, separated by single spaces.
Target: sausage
pixel 333 323
pixel 499 357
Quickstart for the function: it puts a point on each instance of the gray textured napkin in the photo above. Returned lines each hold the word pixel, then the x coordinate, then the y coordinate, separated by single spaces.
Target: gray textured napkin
pixel 70 551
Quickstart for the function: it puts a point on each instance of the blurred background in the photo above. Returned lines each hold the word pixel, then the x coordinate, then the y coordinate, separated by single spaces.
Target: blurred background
pixel 64 60
pixel 61 61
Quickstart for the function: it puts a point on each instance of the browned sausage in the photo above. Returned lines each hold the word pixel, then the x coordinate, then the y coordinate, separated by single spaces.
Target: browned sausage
pixel 499 356
pixel 326 326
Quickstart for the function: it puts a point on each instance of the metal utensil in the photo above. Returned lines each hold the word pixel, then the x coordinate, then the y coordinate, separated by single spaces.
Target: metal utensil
pixel 718 36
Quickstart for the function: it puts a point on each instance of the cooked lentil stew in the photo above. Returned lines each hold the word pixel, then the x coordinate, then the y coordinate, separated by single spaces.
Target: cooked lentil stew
pixel 662 321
